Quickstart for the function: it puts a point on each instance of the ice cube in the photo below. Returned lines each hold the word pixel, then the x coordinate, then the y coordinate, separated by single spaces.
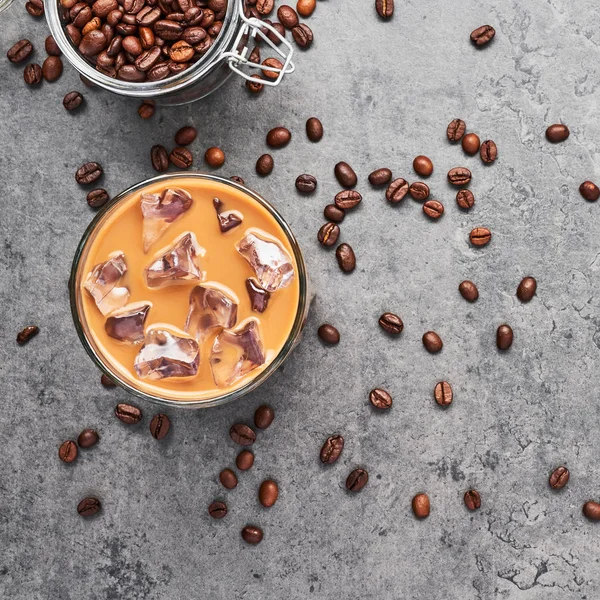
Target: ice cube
pixel 211 307
pixel 228 219
pixel 271 263
pixel 160 210
pixel 127 323
pixel 176 264
pixel 259 298
pixel 102 282
pixel 236 352
pixel 167 352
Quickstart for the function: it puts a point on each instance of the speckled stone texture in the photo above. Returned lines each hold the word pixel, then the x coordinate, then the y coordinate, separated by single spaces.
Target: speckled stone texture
pixel 385 92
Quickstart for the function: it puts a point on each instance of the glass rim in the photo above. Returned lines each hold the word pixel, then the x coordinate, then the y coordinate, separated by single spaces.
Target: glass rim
pixel 251 385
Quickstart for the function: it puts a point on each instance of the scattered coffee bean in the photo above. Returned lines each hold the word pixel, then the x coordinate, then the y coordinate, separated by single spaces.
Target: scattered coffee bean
pixel 480 236
pixel 357 480
pixel 332 448
pixel 217 510
pixel 214 157
pixel 237 179
pixel 306 8
pixel 228 479
pixel 433 209
pixel 420 505
pixel 488 152
pixel 20 51
pixel 391 323
pixel 32 74
pixel 251 534
pixel 468 290
pixel 329 334
pixel 471 144
pixel 35 8
pixel 72 100
pixel 303 35
pixel 128 414
pixel 432 342
pixel 287 16
pixel 559 478
pixel 314 129
pixel 527 288
pixel 107 382
pixel 254 86
pixel 472 499
pixel 88 438
pixel 380 399
pixel 557 133
pixel 268 492
pixel 345 174
pixel 504 337
pixel 88 173
pixel 459 176
pixel 68 451
pixel 306 184
pixel 263 416
pixel 419 191
pixel 334 213
pixel 159 426
pixel 264 7
pixel 465 199
pixel 244 460
pixel 51 46
pixel 186 135
pixel 52 68
pixel 278 137
pixel 146 110
pixel 328 234
pixel 26 334
pixel 347 199
pixel 592 510
pixel 264 165
pixel 423 166
pixel 385 8
pixel 182 158
pixel 380 177
pixel 590 191
pixel 345 258
pixel 160 158
pixel 89 507
pixel 396 190
pixel 456 129
pixel 443 393
pixel 242 434
pixel 97 198
pixel 483 35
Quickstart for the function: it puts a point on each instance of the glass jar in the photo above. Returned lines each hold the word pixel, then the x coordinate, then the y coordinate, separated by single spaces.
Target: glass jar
pixel 87 339
pixel 228 54
pixel 4 4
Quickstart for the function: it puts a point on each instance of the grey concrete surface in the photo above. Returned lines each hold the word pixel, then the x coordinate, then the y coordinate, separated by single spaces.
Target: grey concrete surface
pixel 385 93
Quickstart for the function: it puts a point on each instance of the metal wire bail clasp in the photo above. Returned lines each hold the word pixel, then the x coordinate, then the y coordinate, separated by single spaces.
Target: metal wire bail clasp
pixel 250 30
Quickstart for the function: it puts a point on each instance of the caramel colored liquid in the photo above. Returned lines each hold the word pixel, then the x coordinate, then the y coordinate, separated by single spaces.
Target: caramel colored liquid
pixel 122 230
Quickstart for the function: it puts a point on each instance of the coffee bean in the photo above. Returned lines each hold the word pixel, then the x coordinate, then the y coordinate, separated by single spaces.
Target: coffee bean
pixel 384 8
pixel 419 191
pixel 332 448
pixel 244 460
pixel 287 16
pixel 329 334
pixel 251 534
pixel 68 451
pixel 268 492
pixel 468 290
pixel 159 426
pixel 242 434
pixel 303 35
pixel 590 191
pixel 391 323
pixel 128 414
pixel 26 334
pixel 471 144
pixel 433 209
pixel 557 133
pixel 420 506
pixel 483 35
pixel 278 137
pixel 459 176
pixel 504 337
pixel 182 158
pixel 237 179
pixel 88 173
pixel 228 479
pixel 432 342
pixel 380 399
pixel 472 499
pixel 592 510
pixel 92 43
pixel 263 416
pixel 186 135
pixel 423 166
pixel 35 8
pixel 380 177
pixel 345 258
pixel 559 478
pixel 480 236
pixel 264 165
pixel 306 8
pixel 314 129
pixel 20 51
pixel 345 174
pixel 107 382
pixel 146 110
pixel 347 199
pixel 159 158
pixel 255 86
pixel 443 393
pixel 97 198
pixel 32 74
pixel 89 507
pixel 334 213
pixel 456 129
pixel 527 288
pixel 52 68
pixel 88 438
pixel 488 152
pixel 217 510
pixel 72 100
pixel 306 184
pixel 264 7
pixel 465 199
pixel 357 480
pixel 397 190
pixel 214 157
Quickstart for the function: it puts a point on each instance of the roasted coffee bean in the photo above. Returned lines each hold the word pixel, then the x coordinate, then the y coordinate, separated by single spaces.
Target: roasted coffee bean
pixel 303 35
pixel 483 35
pixel 480 236
pixel 273 63
pixel 73 33
pixel 107 382
pixel 194 35
pixel 255 86
pixel 423 166
pixel 263 416
pixel 244 460
pixel 97 198
pixel 95 23
pixel 147 17
pixel 459 176
pixel 278 137
pixel 527 288
pixel 334 213
pixel 264 165
pixel 384 8
pixel 488 152
pixel 52 68
pixel 347 199
pixel 433 209
pixel 443 393
pixel 148 59
pixel 214 157
pixel 397 190
pixel 456 129
pixel 32 74
pixel 133 46
pixel 264 7
pixel 92 43
pixel 181 52
pixel 465 199
pixel 468 290
pixel 432 342
pixel 228 479
pixel 559 478
pixel 72 100
pixel 182 158
pixel 328 234
pixel 280 29
pixel 160 158
pixel 252 534
pixel 419 191
pixel 420 505
pixel 268 492
pixel 357 480
pixel 329 334
pixel 159 426
pixel 88 438
pixel 186 135
pixel 345 174
pixel 306 8
pixel 504 337
pixel 26 334
pixel 68 451
pixel 128 414
pixel 88 173
pixel 89 507
pixel 35 8
pixel 380 399
pixel 158 72
pixel 472 499
pixel 332 448
pixel 101 8
pixel 306 184
pixel 287 16
pixel 592 510
pixel 380 177
pixel 314 129
pixel 217 510
pixel 557 133
pixel 345 258
pixel 391 323
pixel 242 434
pixel 237 179
pixel 590 191
pixel 471 144
pixel 146 110
pixel 20 51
